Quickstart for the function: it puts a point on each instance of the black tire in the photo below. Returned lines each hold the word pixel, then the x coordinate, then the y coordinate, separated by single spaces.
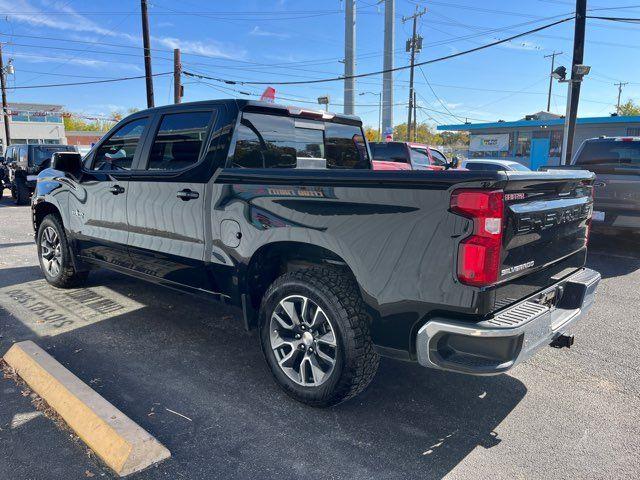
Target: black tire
pixel 66 275
pixel 23 195
pixel 336 293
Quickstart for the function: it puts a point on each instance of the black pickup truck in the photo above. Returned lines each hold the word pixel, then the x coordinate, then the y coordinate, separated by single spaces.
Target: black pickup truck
pixel 277 210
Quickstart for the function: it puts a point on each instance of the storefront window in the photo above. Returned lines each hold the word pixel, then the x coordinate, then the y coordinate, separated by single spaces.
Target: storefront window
pixel 20 117
pixel 555 147
pixel 523 146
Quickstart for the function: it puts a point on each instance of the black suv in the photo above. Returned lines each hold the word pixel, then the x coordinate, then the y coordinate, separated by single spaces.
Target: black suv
pixel 23 163
pixel 277 210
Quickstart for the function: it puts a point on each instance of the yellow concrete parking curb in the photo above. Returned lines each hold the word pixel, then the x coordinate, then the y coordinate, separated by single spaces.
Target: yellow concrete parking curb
pixel 115 438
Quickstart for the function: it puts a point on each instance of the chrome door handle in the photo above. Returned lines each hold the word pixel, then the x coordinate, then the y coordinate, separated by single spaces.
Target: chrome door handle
pixel 116 189
pixel 186 195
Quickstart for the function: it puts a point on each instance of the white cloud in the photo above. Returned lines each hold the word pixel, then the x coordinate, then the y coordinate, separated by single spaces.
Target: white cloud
pixel 259 32
pixel 75 22
pixel 210 48
pixel 83 62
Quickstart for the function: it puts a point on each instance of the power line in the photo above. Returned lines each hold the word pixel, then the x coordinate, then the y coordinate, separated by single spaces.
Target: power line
pixel 437 97
pixel 427 62
pixel 84 83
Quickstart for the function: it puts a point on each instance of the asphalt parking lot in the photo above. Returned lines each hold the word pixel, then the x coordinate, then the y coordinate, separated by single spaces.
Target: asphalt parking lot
pixel 155 353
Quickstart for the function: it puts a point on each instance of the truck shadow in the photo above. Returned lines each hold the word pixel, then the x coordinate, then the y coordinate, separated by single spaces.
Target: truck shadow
pixel 614 255
pixel 194 358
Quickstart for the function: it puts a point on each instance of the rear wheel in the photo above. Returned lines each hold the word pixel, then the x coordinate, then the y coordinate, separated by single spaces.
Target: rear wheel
pixel 315 336
pixel 54 255
pixel 22 192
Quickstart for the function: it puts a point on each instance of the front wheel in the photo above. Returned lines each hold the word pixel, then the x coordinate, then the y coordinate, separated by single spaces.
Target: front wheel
pixel 315 336
pixel 54 255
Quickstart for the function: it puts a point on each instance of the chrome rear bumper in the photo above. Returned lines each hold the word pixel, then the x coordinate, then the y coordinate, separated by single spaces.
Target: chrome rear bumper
pixel 497 344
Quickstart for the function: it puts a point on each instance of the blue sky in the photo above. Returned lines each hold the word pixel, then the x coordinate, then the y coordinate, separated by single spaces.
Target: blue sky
pixel 279 40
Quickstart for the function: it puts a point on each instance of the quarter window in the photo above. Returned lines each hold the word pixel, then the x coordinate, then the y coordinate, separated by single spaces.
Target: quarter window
pixel 118 151
pixel 179 140
pixel 346 147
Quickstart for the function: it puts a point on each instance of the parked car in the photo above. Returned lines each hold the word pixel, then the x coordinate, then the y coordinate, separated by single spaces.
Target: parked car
pixel 489 164
pixel 407 156
pixel 23 163
pixel 277 210
pixel 616 163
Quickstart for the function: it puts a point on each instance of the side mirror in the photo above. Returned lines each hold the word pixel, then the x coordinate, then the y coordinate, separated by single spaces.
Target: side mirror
pixel 455 162
pixel 67 162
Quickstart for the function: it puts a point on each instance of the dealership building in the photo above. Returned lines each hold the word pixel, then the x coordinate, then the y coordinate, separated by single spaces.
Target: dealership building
pixel 537 139
pixel 35 123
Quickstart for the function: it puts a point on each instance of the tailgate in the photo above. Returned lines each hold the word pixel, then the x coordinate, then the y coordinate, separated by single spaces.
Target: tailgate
pixel 547 217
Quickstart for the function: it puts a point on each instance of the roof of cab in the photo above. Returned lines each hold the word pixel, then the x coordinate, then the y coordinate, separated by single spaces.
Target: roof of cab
pixel 293 110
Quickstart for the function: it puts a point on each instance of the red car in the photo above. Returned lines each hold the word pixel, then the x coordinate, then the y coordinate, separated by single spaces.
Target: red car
pixel 407 156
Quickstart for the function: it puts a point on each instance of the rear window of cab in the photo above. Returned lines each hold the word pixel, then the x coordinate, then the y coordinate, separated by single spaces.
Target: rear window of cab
pixel 272 141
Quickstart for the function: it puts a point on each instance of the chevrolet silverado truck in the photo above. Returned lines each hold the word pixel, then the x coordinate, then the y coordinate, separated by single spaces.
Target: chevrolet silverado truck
pixel 276 210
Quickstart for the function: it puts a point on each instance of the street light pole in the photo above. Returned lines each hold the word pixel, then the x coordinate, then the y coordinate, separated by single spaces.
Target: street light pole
pixel 576 80
pixel 379 95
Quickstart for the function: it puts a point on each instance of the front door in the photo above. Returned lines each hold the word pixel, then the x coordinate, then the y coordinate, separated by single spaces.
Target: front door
pixel 165 206
pixel 98 203
pixel 539 152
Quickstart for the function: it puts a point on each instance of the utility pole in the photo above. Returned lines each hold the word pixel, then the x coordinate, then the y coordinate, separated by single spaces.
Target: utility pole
pixel 177 76
pixel 553 64
pixel 576 80
pixel 415 117
pixel 380 116
pixel 620 85
pixel 5 113
pixel 413 44
pixel 147 53
pixel 387 77
pixel 349 56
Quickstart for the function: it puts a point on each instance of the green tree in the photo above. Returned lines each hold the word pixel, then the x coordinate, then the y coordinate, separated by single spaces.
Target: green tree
pixel 371 134
pixel 629 108
pixel 80 124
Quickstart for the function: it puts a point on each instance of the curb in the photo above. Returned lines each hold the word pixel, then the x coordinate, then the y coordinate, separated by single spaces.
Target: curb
pixel 122 444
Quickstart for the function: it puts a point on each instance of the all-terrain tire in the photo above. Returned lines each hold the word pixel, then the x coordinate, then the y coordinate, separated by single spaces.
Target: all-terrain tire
pixel 66 275
pixel 356 362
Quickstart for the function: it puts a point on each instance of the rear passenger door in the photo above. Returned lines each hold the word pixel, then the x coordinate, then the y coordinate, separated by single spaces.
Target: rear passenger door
pixel 165 208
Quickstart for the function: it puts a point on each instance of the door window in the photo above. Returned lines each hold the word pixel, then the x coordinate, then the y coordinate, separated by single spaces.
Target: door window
pixel 438 157
pixel 117 152
pixel 179 140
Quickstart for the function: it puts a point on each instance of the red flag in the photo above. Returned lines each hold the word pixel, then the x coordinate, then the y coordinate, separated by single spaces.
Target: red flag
pixel 269 95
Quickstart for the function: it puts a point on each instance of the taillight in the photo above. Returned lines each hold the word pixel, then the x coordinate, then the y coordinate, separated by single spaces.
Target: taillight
pixel 479 254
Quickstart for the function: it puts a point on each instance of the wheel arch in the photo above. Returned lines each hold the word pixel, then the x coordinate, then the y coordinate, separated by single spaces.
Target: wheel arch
pixel 41 210
pixel 274 259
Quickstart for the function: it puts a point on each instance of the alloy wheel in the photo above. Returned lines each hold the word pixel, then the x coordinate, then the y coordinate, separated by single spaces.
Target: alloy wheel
pixel 303 340
pixel 51 251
